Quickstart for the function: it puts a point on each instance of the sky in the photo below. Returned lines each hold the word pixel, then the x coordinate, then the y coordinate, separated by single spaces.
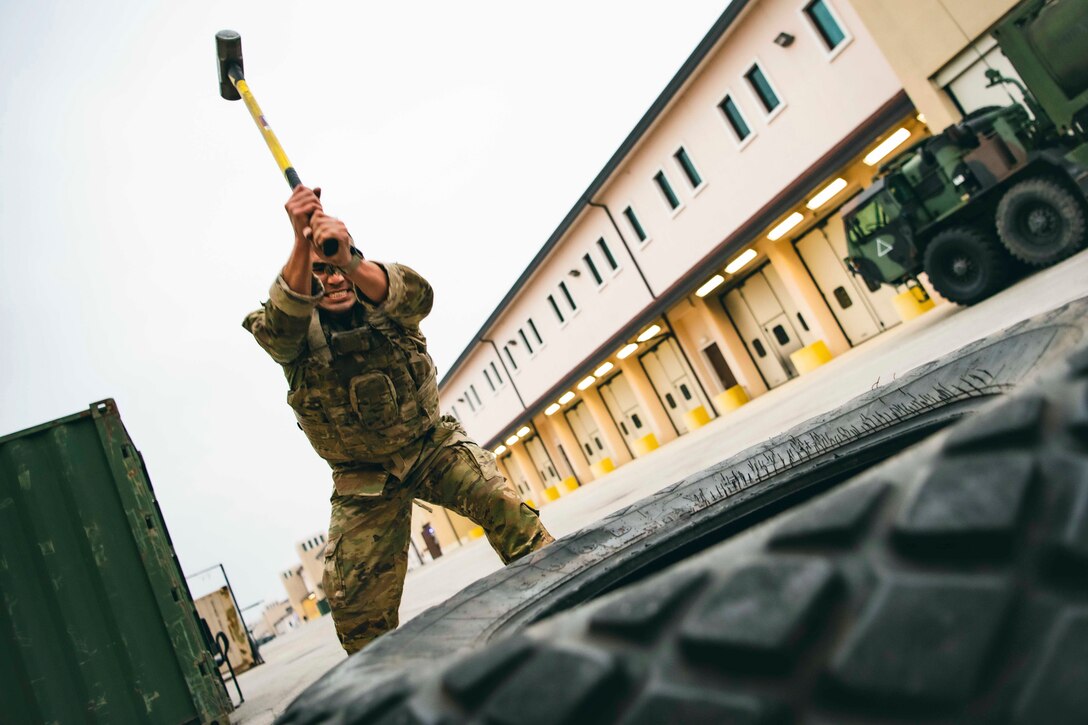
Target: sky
pixel 141 215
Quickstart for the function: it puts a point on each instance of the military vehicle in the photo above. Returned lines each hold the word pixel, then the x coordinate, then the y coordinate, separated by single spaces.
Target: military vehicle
pixel 1002 190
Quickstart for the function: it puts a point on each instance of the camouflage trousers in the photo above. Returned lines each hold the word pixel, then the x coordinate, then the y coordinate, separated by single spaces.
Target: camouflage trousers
pixel 367 555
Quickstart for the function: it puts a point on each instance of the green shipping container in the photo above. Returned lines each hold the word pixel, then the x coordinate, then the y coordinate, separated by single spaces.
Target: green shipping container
pixel 97 624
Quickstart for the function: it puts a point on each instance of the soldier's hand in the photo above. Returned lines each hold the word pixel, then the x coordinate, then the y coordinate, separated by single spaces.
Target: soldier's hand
pixel 326 227
pixel 300 208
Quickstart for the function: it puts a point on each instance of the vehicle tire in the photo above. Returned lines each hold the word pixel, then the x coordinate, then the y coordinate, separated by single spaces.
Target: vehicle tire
pixel 949 584
pixel 699 511
pixel 1040 222
pixel 966 266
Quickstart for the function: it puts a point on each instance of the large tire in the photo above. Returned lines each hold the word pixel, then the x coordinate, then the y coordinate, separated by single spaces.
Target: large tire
pixel 947 585
pixel 965 266
pixel 723 500
pixel 1040 222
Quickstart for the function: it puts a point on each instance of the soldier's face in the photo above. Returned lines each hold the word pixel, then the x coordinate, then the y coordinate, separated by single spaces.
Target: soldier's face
pixel 339 292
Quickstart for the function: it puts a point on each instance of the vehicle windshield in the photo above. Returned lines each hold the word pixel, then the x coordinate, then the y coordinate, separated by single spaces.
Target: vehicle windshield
pixel 877 213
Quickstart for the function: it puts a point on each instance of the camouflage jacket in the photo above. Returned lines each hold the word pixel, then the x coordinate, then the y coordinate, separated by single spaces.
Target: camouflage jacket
pixel 364 390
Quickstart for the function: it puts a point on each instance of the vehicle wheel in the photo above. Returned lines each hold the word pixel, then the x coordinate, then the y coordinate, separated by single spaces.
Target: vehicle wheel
pixel 948 585
pixel 965 266
pixel 1040 222
pixel 687 517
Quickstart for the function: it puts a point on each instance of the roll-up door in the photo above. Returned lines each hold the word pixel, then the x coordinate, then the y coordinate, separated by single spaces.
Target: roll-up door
pixel 542 461
pixel 520 481
pixel 674 381
pixel 797 320
pixel 586 432
pixel 766 324
pixel 624 409
pixel 861 311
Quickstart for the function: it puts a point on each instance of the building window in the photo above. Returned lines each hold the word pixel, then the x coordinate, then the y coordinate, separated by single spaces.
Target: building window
pixel 566 293
pixel 495 370
pixel 536 333
pixel 593 269
pixel 468 399
pixel 555 308
pixel 488 379
pixel 762 88
pixel 453 410
pixel 525 340
pixel 633 221
pixel 735 118
pixel 509 357
pixel 825 23
pixel 688 167
pixel 603 247
pixel 472 389
pixel 666 190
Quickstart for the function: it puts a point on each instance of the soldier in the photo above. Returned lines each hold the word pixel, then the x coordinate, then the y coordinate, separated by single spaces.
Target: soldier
pixel 364 391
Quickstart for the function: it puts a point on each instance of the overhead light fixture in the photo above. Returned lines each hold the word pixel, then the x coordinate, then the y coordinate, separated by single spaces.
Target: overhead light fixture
pixel 824 195
pixel 921 117
pixel 551 409
pixel 523 431
pixel 709 286
pixel 500 450
pixel 745 257
pixel 512 342
pixel 511 440
pixel 575 273
pixel 648 333
pixel 627 350
pixel 566 397
pixel 886 147
pixel 785 225
pixel 586 382
pixel 603 369
pixel 783 39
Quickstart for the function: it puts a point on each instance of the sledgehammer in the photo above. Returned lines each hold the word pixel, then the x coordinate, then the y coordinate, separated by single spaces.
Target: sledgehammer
pixel 233 86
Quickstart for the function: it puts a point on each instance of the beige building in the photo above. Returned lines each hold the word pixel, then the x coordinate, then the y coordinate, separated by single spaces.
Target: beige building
pixel 276 619
pixel 703 265
pixel 305 592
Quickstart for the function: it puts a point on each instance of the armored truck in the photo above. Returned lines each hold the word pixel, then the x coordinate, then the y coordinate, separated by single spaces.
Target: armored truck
pixel 1003 190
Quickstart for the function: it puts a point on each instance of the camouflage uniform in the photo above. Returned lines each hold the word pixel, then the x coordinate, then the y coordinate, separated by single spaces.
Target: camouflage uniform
pixel 365 393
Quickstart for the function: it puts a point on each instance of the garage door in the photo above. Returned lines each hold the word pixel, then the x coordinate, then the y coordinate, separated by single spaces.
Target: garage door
pixel 674 382
pixel 862 311
pixel 764 317
pixel 586 432
pixel 542 462
pixel 624 409
pixel 520 481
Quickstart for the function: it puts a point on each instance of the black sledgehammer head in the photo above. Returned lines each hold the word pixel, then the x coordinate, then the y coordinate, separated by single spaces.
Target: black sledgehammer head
pixel 228 46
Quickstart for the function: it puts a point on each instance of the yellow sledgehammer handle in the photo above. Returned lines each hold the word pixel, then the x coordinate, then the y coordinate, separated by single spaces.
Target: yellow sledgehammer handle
pixel 269 136
pixel 232 86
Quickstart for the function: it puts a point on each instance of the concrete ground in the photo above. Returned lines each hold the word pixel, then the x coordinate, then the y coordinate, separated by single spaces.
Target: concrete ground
pixel 295 660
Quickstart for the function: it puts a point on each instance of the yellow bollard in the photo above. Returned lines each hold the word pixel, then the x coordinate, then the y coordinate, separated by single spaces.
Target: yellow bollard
pixel 645 444
pixel 569 483
pixel 476 533
pixel 697 417
pixel 552 493
pixel 909 304
pixel 809 358
pixel 731 399
pixel 601 467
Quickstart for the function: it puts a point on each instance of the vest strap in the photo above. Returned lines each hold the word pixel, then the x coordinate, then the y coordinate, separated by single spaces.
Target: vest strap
pixel 315 336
